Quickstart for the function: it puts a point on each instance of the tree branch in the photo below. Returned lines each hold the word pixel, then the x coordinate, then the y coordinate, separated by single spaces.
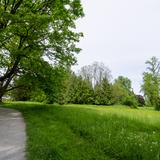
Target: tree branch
pixel 12 70
pixel 12 88
pixel 16 6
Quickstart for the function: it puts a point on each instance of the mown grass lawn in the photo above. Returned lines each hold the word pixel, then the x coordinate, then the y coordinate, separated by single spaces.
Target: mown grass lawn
pixel 84 132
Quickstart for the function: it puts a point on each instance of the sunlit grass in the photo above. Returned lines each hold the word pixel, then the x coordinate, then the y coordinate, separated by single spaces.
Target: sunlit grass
pixel 143 114
pixel 86 132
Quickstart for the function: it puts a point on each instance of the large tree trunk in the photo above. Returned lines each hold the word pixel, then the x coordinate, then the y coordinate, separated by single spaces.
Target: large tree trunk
pixel 1 95
pixel 6 79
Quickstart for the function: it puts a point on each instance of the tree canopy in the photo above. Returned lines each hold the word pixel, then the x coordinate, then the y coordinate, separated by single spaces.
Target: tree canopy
pixel 151 82
pixel 33 32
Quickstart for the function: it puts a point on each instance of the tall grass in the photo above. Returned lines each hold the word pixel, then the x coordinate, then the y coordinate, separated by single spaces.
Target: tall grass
pixel 77 132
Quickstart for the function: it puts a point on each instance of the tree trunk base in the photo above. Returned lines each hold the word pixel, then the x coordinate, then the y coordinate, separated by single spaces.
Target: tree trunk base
pixel 1 102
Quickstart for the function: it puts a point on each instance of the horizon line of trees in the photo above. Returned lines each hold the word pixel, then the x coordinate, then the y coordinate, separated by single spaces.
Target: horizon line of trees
pixel 91 85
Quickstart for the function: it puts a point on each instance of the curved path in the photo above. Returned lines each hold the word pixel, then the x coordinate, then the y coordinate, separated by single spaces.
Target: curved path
pixel 12 135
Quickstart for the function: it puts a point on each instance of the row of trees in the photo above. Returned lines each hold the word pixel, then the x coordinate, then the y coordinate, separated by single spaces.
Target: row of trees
pixel 101 91
pixel 92 85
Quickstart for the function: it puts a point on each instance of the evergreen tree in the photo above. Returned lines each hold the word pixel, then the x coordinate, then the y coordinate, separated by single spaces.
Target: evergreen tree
pixel 103 93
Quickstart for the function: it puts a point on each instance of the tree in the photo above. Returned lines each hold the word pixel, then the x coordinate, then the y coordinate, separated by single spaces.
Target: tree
pixel 122 92
pixel 100 72
pixel 80 91
pixel 153 66
pixel 47 84
pixel 151 82
pixel 125 83
pixel 103 93
pixel 150 88
pixel 118 93
pixel 31 31
pixel 98 76
pixel 141 100
pixel 95 73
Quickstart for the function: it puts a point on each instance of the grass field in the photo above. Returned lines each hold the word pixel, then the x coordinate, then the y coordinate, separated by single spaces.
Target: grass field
pixel 84 132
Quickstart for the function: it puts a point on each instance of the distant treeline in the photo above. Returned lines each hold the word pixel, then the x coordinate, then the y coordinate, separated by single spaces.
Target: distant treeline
pixel 93 84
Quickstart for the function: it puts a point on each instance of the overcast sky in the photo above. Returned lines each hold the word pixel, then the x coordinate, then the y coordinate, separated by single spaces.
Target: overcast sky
pixel 122 34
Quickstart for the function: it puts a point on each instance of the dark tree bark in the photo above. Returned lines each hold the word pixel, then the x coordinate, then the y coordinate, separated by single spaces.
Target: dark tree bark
pixel 1 95
pixel 7 78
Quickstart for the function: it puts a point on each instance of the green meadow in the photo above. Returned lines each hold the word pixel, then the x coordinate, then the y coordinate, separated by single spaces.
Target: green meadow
pixel 86 132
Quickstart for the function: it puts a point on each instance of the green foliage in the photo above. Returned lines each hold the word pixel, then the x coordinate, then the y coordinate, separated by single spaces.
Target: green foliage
pixel 150 88
pixel 80 91
pixel 61 86
pixel 21 94
pixel 151 82
pixel 103 93
pixel 38 96
pixel 130 101
pixel 91 85
pixel 118 93
pixel 31 31
pixel 82 88
pixel 122 92
pixel 45 85
pixel 124 82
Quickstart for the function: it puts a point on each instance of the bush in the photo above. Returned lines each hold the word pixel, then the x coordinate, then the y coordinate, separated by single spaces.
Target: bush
pixel 140 100
pixel 38 96
pixel 130 101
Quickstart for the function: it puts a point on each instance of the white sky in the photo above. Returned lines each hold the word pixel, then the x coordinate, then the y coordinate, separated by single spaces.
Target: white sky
pixel 122 34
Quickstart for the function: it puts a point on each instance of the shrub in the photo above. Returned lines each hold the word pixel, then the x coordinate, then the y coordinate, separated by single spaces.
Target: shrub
pixel 38 96
pixel 130 101
pixel 140 100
